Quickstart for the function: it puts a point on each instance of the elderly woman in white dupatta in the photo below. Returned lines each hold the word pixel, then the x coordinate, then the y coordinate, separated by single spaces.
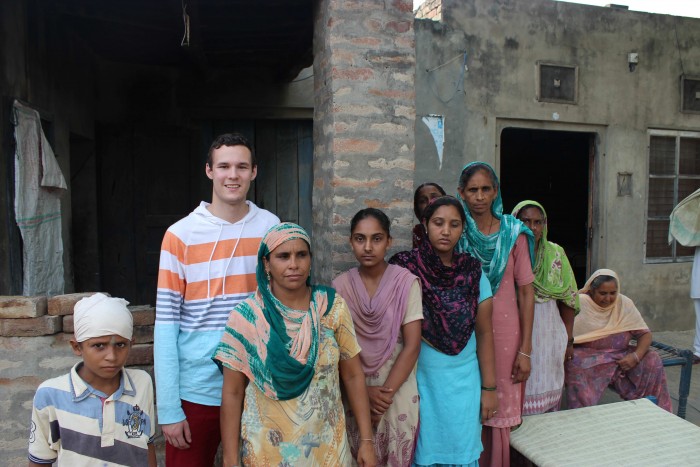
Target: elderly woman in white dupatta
pixel 603 356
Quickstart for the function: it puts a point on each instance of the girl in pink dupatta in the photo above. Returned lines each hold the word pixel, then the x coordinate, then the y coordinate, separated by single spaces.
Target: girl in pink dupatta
pixel 385 304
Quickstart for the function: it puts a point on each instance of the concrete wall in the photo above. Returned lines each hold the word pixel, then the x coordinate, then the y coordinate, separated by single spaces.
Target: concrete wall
pixel 364 66
pixel 503 40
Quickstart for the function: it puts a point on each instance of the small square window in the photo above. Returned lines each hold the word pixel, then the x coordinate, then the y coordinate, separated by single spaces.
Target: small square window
pixel 690 94
pixel 557 83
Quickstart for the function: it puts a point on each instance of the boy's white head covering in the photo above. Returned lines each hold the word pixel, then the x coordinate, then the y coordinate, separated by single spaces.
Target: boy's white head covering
pixel 100 315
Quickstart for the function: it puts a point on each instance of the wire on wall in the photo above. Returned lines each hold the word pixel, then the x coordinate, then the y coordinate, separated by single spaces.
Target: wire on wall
pixel 186 22
pixel 678 46
pixel 458 82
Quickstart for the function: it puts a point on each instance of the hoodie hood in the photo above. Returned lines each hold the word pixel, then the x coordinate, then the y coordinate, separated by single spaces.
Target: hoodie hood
pixel 203 214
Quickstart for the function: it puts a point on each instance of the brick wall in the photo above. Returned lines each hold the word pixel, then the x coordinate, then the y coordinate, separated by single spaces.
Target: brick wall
pixel 364 73
pixel 430 9
pixel 34 346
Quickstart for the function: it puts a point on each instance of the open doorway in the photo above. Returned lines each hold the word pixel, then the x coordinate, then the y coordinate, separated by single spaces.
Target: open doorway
pixel 552 167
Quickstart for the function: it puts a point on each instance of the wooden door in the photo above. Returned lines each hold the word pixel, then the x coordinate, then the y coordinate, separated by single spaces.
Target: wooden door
pixel 167 176
pixel 152 177
pixel 284 152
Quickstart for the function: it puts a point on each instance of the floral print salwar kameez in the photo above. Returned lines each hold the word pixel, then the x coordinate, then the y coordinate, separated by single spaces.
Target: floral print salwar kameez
pixel 378 320
pixel 309 429
pixel 292 409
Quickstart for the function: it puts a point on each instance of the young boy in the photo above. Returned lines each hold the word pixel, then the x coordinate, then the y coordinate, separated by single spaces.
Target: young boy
pixel 100 413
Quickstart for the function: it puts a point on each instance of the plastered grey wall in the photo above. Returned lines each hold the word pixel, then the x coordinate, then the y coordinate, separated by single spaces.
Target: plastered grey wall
pixel 503 40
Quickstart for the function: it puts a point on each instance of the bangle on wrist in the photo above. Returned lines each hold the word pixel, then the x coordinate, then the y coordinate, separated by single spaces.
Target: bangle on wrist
pixel 488 388
pixel 369 440
pixel 523 354
pixel 570 341
pixel 636 357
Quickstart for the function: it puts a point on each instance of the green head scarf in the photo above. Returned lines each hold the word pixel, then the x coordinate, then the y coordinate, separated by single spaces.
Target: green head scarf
pixel 275 346
pixel 493 250
pixel 554 278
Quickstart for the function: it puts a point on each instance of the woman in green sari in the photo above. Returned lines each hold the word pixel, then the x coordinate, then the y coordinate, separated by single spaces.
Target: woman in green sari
pixel 556 304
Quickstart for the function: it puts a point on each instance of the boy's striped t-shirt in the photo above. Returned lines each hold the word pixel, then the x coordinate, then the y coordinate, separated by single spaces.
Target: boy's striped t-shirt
pixel 74 424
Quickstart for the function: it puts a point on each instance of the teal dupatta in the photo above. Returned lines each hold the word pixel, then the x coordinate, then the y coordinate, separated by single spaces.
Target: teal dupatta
pixel 493 250
pixel 275 346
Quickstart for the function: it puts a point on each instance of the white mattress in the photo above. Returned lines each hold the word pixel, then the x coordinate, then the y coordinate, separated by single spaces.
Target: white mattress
pixel 634 433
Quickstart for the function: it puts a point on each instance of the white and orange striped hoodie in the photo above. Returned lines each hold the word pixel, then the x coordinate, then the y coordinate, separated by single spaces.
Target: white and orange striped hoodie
pixel 207 266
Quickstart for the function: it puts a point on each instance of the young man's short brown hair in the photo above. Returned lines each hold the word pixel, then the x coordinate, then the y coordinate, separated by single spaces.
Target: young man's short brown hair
pixel 230 139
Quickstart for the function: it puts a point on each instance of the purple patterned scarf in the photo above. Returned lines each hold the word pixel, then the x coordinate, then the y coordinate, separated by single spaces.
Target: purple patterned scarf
pixel 450 295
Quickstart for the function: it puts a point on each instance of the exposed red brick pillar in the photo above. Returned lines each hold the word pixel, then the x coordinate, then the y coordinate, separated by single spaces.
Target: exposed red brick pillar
pixel 430 9
pixel 364 73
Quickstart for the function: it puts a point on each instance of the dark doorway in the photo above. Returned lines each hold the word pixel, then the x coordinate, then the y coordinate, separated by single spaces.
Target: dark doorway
pixel 84 220
pixel 552 168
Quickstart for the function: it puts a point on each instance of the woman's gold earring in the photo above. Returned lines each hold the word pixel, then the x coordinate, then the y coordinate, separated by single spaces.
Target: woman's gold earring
pixel 267 273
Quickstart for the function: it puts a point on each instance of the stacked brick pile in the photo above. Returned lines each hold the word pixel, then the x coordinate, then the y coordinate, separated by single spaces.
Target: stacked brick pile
pixel 27 317
pixel 42 316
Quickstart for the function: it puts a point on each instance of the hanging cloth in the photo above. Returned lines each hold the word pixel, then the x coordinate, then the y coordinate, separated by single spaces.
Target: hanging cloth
pixel 39 185
pixel 685 221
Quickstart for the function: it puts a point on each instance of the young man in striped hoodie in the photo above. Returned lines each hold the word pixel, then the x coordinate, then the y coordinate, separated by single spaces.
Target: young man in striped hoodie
pixel 207 266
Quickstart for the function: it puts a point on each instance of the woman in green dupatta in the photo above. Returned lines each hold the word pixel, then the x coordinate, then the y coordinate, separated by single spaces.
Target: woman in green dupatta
pixel 294 342
pixel 556 304
pixel 505 248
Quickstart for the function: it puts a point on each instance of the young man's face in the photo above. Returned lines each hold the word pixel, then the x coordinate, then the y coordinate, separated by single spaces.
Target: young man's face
pixel 103 357
pixel 231 173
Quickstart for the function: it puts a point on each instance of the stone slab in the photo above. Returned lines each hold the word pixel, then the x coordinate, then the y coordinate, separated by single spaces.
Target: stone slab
pixel 17 306
pixel 60 305
pixel 30 327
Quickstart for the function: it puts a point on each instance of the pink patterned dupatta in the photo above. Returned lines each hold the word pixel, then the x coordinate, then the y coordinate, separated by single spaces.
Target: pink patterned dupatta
pixel 378 319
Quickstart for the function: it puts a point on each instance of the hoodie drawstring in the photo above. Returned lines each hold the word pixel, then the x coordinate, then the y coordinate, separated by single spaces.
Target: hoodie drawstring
pixel 221 228
pixel 233 252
